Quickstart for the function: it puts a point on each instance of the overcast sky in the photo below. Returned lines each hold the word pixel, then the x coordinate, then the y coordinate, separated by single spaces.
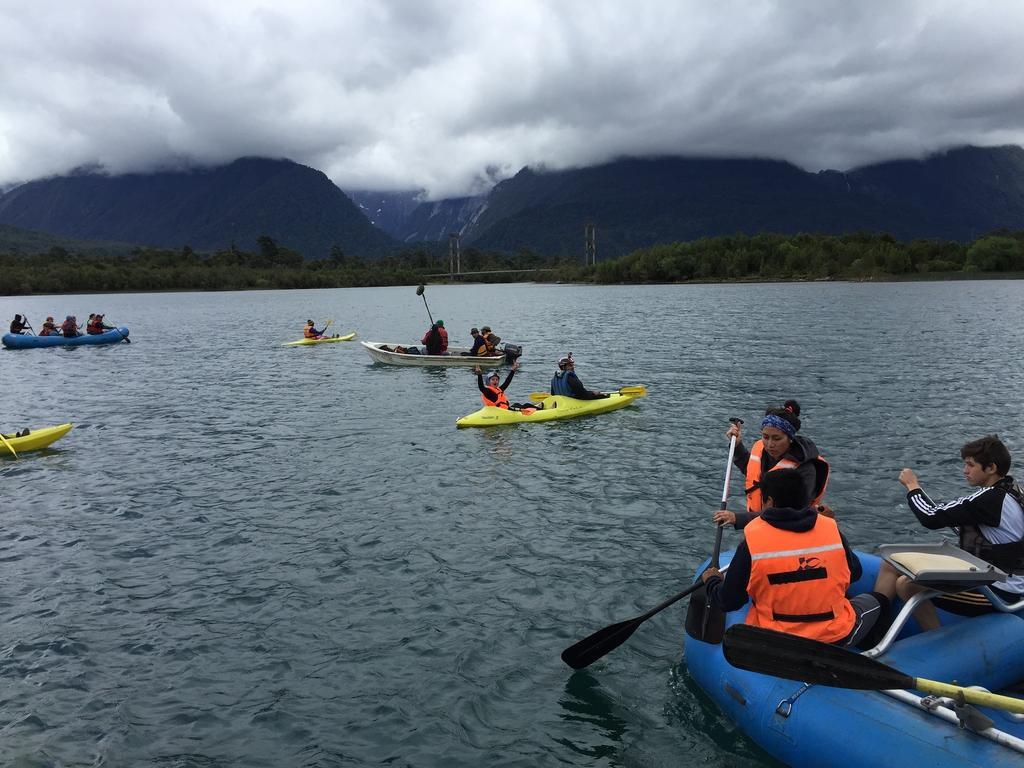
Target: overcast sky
pixel 450 96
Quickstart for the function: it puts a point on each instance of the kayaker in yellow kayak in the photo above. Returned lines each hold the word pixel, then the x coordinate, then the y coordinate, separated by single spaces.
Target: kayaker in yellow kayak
pixel 565 382
pixel 493 394
pixel 312 333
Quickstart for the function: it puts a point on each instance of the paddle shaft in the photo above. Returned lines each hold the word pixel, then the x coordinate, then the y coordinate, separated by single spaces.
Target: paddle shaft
pixel 725 495
pixel 637 391
pixel 982 698
pixel 604 641
pixel 9 446
pixel 799 658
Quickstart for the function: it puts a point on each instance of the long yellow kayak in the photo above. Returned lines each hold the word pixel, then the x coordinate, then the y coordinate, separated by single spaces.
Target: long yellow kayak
pixel 555 407
pixel 324 340
pixel 34 440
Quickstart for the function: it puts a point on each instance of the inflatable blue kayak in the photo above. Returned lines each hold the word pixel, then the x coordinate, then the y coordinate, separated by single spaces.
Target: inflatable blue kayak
pixel 840 728
pixel 24 341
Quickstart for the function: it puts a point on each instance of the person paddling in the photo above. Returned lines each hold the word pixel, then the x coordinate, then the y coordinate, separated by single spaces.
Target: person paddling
pixel 96 326
pixel 565 382
pixel 69 328
pixel 494 395
pixel 18 324
pixel 780 447
pixel 310 332
pixel 795 565
pixel 49 328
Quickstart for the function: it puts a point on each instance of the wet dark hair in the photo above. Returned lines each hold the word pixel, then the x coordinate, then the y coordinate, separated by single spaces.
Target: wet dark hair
pixel 790 411
pixel 988 450
pixel 785 487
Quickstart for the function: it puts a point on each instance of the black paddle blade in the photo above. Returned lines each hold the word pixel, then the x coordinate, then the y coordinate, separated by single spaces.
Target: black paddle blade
pixel 419 290
pixel 807 661
pixel 591 648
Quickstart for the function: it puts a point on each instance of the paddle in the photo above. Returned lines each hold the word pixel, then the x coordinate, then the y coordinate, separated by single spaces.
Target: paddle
pixel 703 621
pixel 124 338
pixel 593 647
pixel 326 326
pixel 809 661
pixel 638 391
pixel 9 446
pixel 419 292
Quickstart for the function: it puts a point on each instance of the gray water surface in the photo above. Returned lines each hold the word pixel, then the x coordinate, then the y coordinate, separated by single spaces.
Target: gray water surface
pixel 249 555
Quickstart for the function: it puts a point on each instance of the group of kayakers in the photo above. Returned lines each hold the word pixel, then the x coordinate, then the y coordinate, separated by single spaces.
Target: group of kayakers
pixel 564 382
pixel 68 328
pixel 795 565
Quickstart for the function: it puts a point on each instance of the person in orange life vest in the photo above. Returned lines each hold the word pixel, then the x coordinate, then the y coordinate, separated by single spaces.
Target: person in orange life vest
pixel 49 328
pixel 780 447
pixel 795 565
pixel 436 339
pixel 69 327
pixel 310 332
pixel 96 325
pixel 492 394
pixel 990 523
pixel 490 343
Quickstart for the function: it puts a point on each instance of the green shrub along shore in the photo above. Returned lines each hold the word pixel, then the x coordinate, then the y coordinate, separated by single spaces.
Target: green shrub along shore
pixel 859 256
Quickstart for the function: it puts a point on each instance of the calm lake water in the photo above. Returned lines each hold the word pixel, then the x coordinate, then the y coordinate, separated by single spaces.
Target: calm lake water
pixel 249 555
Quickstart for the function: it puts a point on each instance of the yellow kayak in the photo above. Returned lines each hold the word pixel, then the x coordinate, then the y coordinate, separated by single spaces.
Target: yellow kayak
pixel 324 340
pixel 34 440
pixel 555 407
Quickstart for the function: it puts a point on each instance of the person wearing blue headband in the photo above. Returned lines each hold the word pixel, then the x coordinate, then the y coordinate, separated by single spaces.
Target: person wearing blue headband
pixel 780 447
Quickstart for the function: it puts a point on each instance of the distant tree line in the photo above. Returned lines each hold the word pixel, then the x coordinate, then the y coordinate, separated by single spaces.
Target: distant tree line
pixel 271 265
pixel 740 257
pixel 844 257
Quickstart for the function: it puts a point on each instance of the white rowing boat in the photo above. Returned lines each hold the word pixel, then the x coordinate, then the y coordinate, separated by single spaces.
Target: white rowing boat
pixel 452 358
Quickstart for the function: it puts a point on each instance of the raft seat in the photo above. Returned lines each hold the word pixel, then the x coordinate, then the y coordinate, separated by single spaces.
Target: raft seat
pixel 992 657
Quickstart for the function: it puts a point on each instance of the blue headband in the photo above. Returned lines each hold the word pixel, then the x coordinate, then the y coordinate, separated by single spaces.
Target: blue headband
pixel 771 420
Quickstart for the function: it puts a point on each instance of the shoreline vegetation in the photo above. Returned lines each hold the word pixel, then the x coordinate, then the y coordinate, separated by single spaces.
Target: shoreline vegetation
pixel 734 258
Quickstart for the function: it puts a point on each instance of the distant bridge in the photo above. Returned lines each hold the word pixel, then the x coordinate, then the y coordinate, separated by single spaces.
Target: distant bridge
pixel 492 272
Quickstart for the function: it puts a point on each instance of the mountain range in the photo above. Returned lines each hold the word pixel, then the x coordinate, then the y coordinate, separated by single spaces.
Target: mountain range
pixel 958 194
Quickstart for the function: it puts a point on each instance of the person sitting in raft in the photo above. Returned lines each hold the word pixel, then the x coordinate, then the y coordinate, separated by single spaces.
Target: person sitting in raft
pixel 494 395
pixel 489 345
pixel 565 382
pixel 990 522
pixel 69 327
pixel 18 324
pixel 310 332
pixel 96 326
pixel 796 565
pixel 435 339
pixel 780 447
pixel 49 328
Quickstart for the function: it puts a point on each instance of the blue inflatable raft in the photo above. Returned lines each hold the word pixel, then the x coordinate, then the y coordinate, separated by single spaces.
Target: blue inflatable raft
pixel 24 341
pixel 840 728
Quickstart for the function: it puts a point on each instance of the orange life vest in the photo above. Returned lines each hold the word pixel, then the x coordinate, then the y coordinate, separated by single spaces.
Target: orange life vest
pixel 755 502
pixel 308 332
pixel 500 401
pixel 798 581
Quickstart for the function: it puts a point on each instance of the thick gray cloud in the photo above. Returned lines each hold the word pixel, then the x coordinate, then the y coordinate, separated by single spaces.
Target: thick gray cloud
pixel 450 95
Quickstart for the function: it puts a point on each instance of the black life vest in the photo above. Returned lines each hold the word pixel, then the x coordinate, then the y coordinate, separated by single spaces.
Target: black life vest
pixel 1007 557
